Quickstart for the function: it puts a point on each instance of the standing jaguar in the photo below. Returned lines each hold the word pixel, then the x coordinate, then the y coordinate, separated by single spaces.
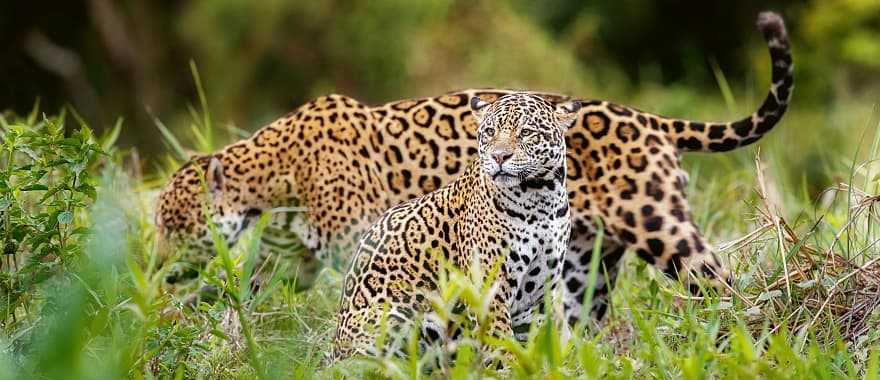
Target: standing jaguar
pixel 346 163
pixel 508 208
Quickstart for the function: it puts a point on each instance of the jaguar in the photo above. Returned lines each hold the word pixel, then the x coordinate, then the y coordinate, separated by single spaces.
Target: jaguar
pixel 346 163
pixel 508 208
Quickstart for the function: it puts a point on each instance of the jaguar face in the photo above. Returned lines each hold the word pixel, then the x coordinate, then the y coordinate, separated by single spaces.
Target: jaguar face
pixel 522 137
pixel 196 190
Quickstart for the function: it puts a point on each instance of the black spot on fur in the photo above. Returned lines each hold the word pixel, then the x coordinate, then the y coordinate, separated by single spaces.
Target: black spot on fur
pixel 654 223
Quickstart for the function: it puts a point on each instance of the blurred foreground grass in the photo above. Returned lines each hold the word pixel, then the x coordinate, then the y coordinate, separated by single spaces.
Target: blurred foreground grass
pixel 798 221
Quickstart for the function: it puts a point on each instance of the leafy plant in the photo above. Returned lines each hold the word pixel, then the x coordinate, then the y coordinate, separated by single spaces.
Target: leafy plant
pixel 46 186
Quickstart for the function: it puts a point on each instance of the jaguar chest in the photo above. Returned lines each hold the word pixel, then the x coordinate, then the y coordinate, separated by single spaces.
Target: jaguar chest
pixel 535 258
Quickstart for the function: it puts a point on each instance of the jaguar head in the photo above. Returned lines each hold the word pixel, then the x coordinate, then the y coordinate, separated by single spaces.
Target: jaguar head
pixel 522 137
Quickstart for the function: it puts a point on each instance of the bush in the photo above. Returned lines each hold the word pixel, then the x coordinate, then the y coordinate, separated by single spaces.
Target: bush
pixel 45 190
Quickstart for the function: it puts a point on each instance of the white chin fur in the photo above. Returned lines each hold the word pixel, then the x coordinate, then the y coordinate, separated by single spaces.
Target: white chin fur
pixel 506 180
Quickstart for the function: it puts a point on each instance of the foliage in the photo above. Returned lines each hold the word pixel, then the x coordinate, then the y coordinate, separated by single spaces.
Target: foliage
pixel 45 187
pixel 852 59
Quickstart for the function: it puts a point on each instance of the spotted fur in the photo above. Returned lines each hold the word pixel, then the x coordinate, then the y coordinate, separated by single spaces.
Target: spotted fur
pixel 347 163
pixel 510 207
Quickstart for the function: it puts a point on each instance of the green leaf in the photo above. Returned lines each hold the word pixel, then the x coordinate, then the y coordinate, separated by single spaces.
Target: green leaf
pixel 32 116
pixel 4 204
pixel 462 366
pixel 79 166
pixel 50 193
pixel 35 187
pixel 70 141
pixel 170 139
pixel 88 190
pixel 39 240
pixel 65 217
pixel 30 152
pixel 20 231
pixel 109 138
pixel 873 365
pixel 85 133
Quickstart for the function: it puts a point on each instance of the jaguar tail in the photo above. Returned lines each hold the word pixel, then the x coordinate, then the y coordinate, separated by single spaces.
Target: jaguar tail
pixel 692 136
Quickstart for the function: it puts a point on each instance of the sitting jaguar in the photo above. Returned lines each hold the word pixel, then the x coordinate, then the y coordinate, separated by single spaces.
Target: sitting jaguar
pixel 508 208
pixel 346 163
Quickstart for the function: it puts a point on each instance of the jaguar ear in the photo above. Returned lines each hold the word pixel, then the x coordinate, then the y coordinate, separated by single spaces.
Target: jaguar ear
pixel 214 176
pixel 478 108
pixel 567 112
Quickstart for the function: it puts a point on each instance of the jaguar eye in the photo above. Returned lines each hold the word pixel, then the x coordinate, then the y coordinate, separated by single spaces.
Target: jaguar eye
pixel 526 133
pixel 489 132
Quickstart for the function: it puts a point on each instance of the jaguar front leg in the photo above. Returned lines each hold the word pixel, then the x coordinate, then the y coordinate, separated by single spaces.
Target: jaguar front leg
pixel 576 274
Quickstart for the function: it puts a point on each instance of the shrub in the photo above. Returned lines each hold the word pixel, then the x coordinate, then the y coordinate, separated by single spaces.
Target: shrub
pixel 45 189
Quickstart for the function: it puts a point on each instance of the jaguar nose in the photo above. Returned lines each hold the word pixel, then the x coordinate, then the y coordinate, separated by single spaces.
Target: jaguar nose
pixel 500 157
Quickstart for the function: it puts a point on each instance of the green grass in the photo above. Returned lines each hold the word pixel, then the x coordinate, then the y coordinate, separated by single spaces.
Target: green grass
pixel 801 218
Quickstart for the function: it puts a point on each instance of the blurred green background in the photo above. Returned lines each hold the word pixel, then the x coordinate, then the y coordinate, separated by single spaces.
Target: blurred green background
pixel 259 59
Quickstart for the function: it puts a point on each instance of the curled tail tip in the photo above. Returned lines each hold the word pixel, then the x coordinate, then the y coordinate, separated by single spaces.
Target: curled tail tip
pixel 772 26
